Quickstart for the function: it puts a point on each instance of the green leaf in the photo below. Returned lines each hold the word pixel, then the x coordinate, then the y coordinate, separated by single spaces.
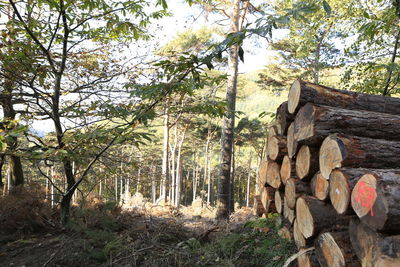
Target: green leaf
pixel 327 8
pixel 241 54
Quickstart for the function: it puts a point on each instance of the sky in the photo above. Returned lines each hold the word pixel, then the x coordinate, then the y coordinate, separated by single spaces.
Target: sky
pixel 185 17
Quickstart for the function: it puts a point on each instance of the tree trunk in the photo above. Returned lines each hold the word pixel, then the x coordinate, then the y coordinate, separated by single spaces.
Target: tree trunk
pixel 308 259
pixel 302 92
pixel 375 199
pixel 248 182
pixel 350 151
pixel 179 168
pixel 227 139
pixel 165 159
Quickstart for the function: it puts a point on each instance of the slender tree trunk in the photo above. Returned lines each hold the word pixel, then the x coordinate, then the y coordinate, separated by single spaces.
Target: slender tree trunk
pixel 179 168
pixel 153 184
pixel 2 161
pixel 194 176
pixel 227 139
pixel 248 182
pixel 392 60
pixel 164 171
pixel 173 164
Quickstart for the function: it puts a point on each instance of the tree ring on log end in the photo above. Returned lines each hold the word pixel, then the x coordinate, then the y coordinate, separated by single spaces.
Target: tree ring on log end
pixel 364 195
pixel 331 155
pixel 339 191
pixel 303 160
pixel 320 186
pixel 330 250
pixel 305 220
pixel 273 147
pixel 294 96
pixel 291 142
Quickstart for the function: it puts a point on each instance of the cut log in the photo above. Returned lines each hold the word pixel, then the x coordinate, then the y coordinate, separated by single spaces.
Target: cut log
pixel 314 215
pixel 268 199
pixel 291 141
pixel 302 92
pixel 272 131
pixel 288 213
pixel 313 123
pixel 333 249
pixel 350 151
pixel 273 174
pixel 288 169
pixel 375 199
pixel 341 183
pixel 307 162
pixel 279 201
pixel 283 118
pixel 320 187
pixel 298 237
pixel 308 260
pixel 258 208
pixel 262 173
pixel 277 148
pixel 372 248
pixel 295 188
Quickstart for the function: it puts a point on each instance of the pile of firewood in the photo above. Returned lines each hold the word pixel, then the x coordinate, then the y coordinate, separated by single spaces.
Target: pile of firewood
pixel 330 171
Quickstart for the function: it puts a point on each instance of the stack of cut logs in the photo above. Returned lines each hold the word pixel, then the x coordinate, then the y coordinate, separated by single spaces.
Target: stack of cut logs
pixel 332 170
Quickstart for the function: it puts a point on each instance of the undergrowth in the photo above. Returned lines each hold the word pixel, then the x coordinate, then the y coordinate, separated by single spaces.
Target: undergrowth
pixel 256 244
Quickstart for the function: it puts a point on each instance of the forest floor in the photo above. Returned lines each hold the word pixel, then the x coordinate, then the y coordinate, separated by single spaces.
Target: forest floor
pixel 105 235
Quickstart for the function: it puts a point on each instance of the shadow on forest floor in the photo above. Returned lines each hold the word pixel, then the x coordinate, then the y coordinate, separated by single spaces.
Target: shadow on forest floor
pixel 103 235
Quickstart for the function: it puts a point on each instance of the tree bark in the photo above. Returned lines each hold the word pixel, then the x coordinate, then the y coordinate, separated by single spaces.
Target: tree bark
pixel 313 123
pixel 302 92
pixel 350 151
pixel 375 199
pixel 283 118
